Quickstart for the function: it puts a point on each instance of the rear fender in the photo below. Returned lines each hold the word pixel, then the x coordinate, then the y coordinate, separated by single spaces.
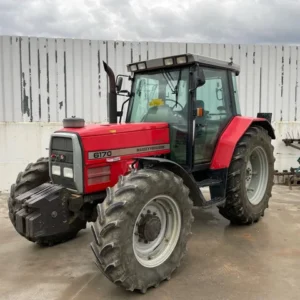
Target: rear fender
pixel 230 137
pixel 154 162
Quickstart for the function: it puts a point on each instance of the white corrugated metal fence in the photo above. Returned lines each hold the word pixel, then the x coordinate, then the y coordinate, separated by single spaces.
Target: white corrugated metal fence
pixel 48 79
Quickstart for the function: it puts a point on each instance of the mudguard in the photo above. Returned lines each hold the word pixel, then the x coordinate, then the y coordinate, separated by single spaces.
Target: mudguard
pixel 230 137
pixel 195 193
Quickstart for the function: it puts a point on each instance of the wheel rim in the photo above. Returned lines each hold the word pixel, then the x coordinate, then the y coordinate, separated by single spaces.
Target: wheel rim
pixel 160 222
pixel 257 173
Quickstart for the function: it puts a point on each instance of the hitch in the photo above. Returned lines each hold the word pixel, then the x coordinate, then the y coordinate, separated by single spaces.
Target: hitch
pixel 293 177
pixel 290 143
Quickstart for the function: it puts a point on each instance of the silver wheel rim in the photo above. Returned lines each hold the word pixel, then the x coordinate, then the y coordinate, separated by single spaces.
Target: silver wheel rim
pixel 257 173
pixel 156 252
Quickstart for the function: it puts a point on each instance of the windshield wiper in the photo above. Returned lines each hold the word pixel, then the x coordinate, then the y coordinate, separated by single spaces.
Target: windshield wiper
pixel 169 82
pixel 176 89
pixel 139 87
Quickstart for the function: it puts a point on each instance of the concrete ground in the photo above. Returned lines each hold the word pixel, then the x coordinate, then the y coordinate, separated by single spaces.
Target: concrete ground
pixel 223 262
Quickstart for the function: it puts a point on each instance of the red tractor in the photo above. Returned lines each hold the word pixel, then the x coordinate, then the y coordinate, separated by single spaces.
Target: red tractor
pixel 138 181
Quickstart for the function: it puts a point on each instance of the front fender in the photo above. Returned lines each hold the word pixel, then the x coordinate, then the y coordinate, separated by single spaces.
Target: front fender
pixel 195 193
pixel 230 137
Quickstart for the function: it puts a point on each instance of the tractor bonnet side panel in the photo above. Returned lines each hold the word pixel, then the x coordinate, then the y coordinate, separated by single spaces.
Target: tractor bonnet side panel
pixel 112 154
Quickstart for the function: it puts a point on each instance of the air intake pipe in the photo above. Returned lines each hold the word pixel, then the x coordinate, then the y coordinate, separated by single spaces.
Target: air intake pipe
pixel 112 95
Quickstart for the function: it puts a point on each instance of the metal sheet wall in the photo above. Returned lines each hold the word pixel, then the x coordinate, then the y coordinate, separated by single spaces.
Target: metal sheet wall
pixel 47 79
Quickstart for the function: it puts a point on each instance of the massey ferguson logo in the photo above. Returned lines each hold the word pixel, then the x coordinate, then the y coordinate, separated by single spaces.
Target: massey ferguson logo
pixel 151 148
pixel 126 151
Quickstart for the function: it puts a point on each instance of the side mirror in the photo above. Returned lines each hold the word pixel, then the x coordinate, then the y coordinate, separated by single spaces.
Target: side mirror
pixel 199 77
pixel 119 83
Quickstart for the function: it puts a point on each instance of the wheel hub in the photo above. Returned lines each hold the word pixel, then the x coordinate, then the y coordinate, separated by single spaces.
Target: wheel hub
pixel 248 173
pixel 149 227
pixel 156 231
pixel 257 173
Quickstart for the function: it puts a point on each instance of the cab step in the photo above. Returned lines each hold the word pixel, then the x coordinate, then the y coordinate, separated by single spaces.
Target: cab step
pixel 213 202
pixel 215 187
pixel 209 182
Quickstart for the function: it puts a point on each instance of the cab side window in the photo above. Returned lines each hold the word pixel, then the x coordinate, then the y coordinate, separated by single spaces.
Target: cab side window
pixel 215 94
pixel 214 99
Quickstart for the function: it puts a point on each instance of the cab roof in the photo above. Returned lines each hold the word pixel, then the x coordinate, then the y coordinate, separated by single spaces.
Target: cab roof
pixel 190 59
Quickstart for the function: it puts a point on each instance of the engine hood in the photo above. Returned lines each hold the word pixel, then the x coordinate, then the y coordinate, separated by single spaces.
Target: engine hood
pixel 104 129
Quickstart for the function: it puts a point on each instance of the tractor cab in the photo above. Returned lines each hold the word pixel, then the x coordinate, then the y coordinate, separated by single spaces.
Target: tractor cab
pixel 195 95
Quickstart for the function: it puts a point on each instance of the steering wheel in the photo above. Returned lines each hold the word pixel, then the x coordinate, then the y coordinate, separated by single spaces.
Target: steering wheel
pixel 164 111
pixel 175 103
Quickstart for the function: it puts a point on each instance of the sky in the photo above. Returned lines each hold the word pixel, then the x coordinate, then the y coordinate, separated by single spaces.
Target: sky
pixel 204 21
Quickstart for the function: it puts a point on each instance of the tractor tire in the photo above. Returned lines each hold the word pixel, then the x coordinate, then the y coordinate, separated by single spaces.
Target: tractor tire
pixel 250 178
pixel 34 175
pixel 133 218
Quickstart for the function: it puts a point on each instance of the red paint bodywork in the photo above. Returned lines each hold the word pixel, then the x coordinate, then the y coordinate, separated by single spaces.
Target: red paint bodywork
pixel 228 140
pixel 100 129
pixel 118 136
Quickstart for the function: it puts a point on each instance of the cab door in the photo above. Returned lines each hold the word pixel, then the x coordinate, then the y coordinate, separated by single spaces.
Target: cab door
pixel 214 101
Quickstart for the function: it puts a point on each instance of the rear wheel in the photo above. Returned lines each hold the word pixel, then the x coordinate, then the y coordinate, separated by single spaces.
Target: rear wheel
pixel 250 178
pixel 142 229
pixel 34 175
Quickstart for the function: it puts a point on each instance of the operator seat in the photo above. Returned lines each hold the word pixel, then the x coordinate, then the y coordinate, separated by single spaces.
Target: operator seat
pixel 158 113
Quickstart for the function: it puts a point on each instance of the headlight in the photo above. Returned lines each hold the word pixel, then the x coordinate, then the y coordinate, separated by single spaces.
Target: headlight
pixel 181 59
pixel 142 66
pixel 56 170
pixel 68 172
pixel 133 68
pixel 168 61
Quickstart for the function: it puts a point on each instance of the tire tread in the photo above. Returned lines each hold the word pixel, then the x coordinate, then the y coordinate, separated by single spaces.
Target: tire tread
pixel 234 209
pixel 106 234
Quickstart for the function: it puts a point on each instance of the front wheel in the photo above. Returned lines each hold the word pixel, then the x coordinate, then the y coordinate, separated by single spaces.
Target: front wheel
pixel 142 229
pixel 250 178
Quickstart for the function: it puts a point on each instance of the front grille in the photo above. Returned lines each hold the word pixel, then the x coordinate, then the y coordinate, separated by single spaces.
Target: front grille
pixel 61 154
pixel 66 152
pixel 62 146
pixel 62 143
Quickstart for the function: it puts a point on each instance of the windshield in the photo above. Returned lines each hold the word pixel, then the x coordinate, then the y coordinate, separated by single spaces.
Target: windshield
pixel 160 96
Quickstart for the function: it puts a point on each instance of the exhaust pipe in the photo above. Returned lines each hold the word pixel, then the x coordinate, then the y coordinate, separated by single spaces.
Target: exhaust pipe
pixel 112 96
